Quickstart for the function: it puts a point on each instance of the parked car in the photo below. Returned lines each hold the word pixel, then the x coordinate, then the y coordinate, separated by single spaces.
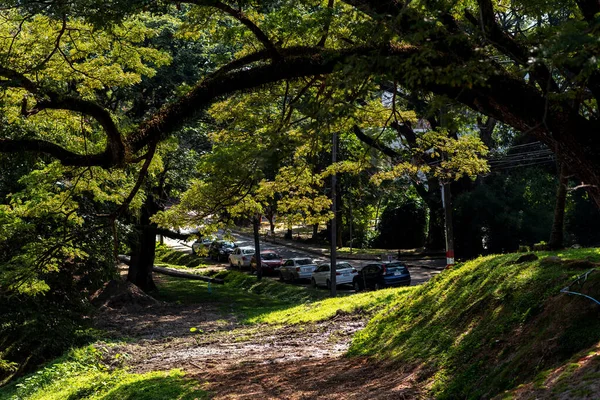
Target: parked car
pixel 241 257
pixel 220 250
pixel 296 269
pixel 270 261
pixel 200 246
pixel 344 272
pixel 382 274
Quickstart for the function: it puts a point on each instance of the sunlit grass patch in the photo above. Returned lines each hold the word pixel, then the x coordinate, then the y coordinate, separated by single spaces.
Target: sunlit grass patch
pixel 82 375
pixel 363 303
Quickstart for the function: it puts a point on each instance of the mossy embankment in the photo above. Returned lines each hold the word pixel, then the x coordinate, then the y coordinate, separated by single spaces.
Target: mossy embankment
pixel 490 324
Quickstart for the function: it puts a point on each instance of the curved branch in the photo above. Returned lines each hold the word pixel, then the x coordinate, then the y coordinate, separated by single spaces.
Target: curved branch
pixel 388 151
pixel 115 147
pixel 114 153
pixel 172 116
pixel 244 20
pixel 65 156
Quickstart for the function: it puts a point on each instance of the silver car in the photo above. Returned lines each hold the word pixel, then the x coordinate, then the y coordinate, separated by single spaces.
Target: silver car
pixel 296 269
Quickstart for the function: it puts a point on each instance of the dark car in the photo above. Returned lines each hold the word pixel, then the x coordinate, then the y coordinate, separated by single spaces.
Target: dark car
pixel 269 260
pixel 220 250
pixel 382 274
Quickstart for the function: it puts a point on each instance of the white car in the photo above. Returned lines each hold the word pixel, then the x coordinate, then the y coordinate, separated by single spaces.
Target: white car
pixel 241 257
pixel 344 272
pixel 297 268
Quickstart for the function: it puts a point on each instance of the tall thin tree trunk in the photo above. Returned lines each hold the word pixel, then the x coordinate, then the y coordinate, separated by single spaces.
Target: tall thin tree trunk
pixel 557 234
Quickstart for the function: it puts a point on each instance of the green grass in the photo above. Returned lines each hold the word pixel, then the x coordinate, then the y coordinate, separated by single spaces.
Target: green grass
pixel 487 325
pixel 82 374
pixel 363 303
pixel 168 257
pixel 271 302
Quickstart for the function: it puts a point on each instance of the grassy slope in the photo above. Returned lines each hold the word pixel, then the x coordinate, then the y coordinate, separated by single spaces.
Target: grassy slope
pixel 167 257
pixel 489 324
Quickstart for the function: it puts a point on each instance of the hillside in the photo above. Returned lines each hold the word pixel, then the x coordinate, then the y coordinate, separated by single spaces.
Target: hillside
pixel 493 324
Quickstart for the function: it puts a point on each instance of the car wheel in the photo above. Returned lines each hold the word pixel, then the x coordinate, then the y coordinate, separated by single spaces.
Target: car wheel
pixel 356 284
pixel 313 283
pixel 377 286
pixel 281 277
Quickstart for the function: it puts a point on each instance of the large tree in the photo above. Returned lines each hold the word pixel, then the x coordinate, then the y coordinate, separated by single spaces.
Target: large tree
pixel 528 64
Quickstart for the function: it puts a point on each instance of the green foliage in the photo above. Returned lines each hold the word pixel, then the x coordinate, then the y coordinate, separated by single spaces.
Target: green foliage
pixel 82 374
pixel 485 325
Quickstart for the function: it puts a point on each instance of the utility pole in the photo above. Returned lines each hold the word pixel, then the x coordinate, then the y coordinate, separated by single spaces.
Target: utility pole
pixel 332 270
pixel 447 203
pixel 256 225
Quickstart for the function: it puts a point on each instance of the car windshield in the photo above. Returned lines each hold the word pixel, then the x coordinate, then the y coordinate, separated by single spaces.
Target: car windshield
pixel 304 261
pixel 269 256
pixel 231 245
pixel 343 266
pixel 395 268
pixel 248 251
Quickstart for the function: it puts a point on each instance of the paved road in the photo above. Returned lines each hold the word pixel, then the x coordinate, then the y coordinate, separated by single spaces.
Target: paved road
pixel 418 272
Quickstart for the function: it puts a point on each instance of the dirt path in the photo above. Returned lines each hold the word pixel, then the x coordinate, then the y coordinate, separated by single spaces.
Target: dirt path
pixel 234 361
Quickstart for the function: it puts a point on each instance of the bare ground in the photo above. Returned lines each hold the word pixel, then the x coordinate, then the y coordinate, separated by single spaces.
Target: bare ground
pixel 235 361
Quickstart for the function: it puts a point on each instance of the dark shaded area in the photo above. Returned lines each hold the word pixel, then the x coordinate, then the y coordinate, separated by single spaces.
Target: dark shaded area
pixel 402 227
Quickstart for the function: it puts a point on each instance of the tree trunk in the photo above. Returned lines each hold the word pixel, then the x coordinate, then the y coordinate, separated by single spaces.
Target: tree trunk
pixel 144 249
pixel 557 234
pixel 315 232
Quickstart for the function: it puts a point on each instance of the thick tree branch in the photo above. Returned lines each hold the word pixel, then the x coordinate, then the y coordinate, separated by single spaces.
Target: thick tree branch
pixel 407 131
pixel 388 151
pixel 65 156
pixel 172 116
